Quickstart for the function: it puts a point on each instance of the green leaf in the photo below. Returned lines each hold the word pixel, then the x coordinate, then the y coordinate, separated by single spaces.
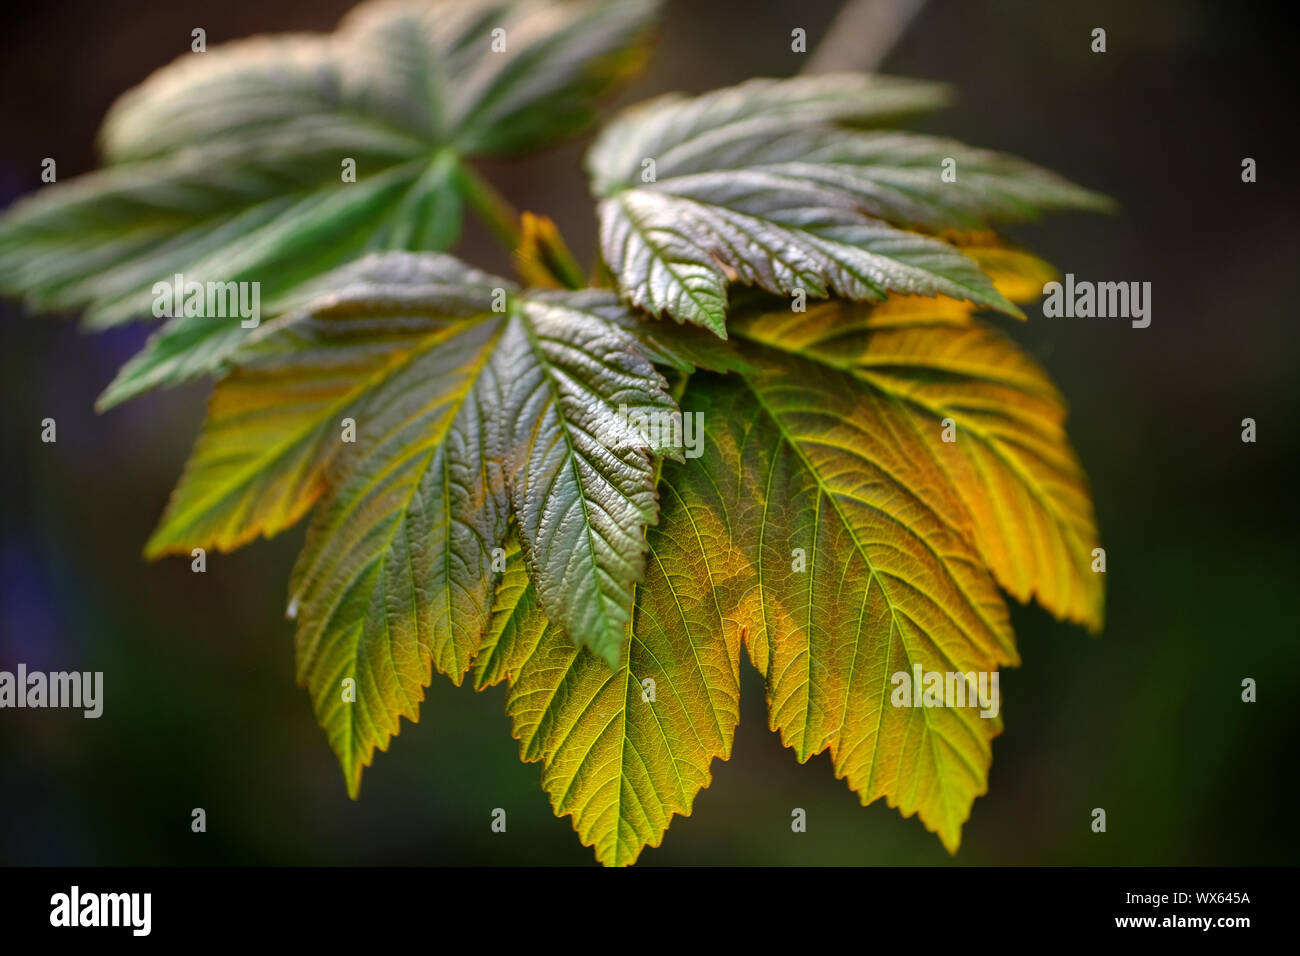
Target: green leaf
pixel 691 132
pixel 772 183
pixel 227 166
pixel 465 418
pixel 427 69
pixel 582 484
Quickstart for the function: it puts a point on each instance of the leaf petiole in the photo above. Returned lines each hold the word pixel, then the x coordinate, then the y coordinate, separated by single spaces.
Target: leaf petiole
pixel 493 208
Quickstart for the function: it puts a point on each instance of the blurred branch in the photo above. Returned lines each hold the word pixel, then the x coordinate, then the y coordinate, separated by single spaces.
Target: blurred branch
pixel 861 35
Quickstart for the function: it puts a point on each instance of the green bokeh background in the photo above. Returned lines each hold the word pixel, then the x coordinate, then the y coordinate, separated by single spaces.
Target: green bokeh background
pixel 1146 721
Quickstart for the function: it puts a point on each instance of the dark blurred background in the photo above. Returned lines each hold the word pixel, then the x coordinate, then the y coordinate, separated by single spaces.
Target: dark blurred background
pixel 1146 721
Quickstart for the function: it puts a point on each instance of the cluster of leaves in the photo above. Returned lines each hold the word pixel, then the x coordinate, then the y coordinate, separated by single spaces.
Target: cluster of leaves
pixel 497 512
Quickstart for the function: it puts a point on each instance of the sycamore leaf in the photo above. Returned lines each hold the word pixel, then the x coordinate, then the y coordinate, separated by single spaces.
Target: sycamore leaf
pixel 767 184
pixel 232 166
pixel 487 495
pixel 472 405
pixel 623 751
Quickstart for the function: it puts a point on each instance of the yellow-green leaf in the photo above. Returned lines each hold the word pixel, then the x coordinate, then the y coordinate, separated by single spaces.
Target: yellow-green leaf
pixel 622 752
pixel 1011 461
pixel 516 626
pixel 275 421
pixel 444 405
pixel 854 577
